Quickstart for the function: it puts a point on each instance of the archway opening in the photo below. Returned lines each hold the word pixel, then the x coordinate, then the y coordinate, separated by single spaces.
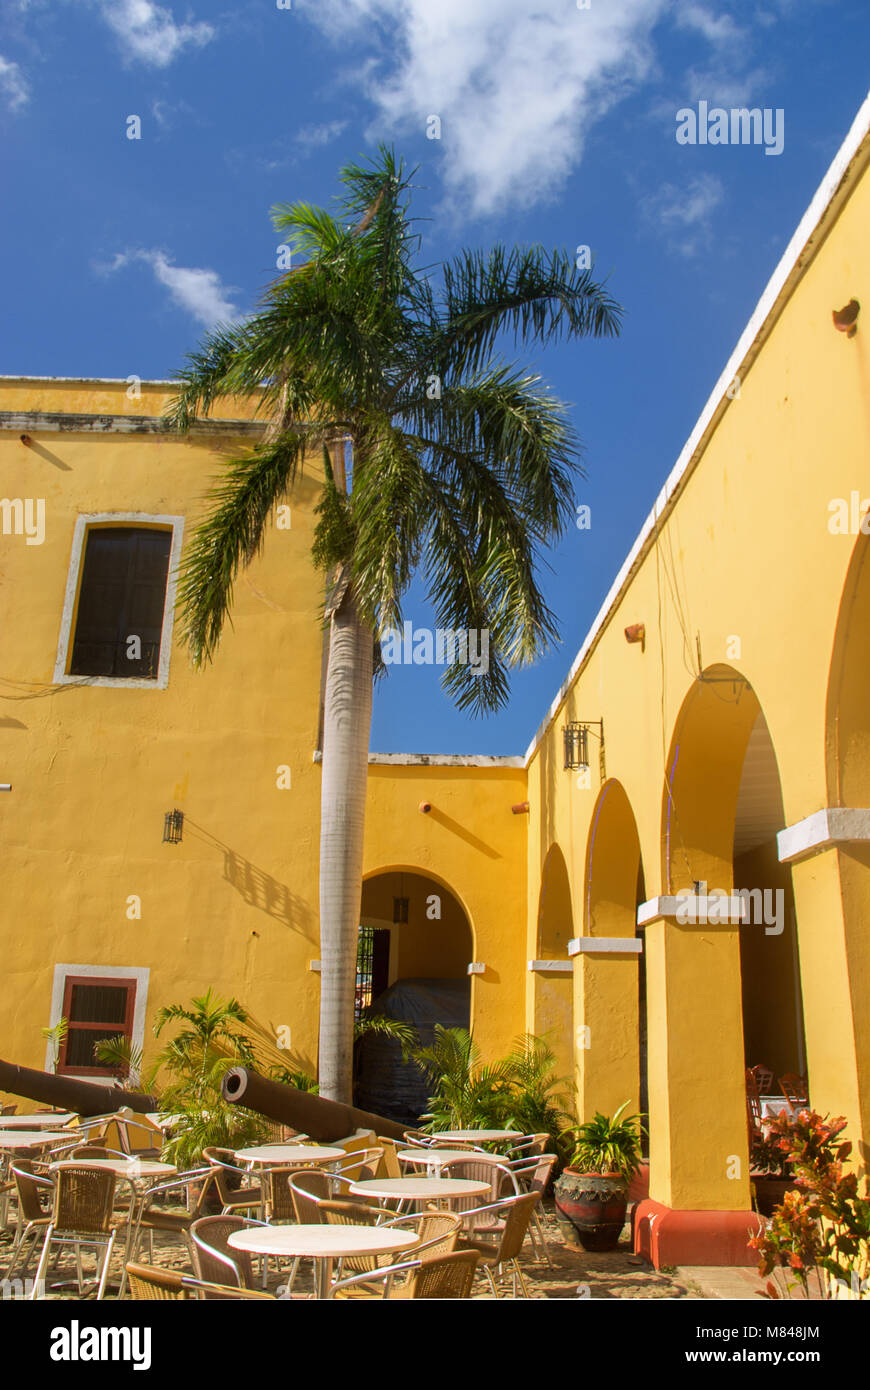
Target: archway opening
pixel 554 1004
pixel 415 947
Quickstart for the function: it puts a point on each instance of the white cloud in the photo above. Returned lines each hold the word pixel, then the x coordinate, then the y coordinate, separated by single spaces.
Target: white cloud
pixel 13 84
pixel 685 215
pixel 726 86
pixel 197 290
pixel 148 33
pixel 717 29
pixel 317 135
pixel 516 87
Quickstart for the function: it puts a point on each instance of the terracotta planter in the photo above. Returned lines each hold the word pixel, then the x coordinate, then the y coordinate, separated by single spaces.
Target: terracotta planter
pixel 595 1204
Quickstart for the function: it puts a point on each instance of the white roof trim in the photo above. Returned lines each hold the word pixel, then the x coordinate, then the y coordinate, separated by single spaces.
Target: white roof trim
pixel 679 474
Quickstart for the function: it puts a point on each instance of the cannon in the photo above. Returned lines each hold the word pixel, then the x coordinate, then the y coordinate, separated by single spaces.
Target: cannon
pixel 300 1110
pixel 81 1097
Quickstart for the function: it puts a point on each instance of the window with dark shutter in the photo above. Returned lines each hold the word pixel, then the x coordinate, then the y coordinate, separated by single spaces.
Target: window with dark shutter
pixel 122 596
pixel 94 1009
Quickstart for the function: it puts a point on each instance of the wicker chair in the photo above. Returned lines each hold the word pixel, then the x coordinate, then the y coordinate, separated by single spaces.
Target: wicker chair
pixel 516 1213
pixel 533 1175
pixel 528 1146
pixel 213 1257
pixel 448 1276
pixel 481 1168
pixel 437 1233
pixel 153 1218
pixel 234 1192
pixel 33 1217
pixel 82 1215
pixel 158 1284
pixel 364 1165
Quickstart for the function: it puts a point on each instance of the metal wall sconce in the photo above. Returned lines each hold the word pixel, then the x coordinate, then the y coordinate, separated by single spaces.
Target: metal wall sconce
pixel 400 911
pixel 576 738
pixel 846 319
pixel 173 825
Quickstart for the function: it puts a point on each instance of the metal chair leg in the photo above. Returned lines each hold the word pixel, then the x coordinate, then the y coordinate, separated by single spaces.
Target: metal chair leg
pixel 105 1270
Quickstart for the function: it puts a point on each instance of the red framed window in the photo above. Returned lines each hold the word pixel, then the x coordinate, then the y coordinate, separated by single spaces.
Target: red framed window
pixel 95 1008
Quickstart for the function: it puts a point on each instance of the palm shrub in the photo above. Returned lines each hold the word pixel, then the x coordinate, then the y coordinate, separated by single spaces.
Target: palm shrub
pixel 438 457
pixel 608 1144
pixel 467 1093
pixel 538 1097
pixel 209 1041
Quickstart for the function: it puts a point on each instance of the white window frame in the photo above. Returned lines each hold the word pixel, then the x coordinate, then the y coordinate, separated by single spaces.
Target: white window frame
pixel 97 520
pixel 141 974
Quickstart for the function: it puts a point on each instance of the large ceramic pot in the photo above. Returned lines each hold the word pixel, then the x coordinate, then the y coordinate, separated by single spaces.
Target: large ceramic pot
pixel 595 1204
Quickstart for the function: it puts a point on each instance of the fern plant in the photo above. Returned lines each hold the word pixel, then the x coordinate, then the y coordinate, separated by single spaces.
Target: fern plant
pixel 468 1094
pixel 608 1144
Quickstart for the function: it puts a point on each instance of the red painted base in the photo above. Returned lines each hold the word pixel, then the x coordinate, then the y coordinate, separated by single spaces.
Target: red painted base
pixel 638 1188
pixel 667 1237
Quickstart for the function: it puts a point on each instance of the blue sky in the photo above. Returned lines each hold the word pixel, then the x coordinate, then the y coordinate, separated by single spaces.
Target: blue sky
pixel 558 125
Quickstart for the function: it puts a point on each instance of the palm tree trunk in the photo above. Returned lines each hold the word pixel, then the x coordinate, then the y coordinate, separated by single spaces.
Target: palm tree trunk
pixel 346 728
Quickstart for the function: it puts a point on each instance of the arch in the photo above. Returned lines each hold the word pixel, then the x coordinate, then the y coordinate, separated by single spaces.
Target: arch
pixel 702 780
pixel 553 993
pixel 610 989
pixel 437 942
pixel 847 715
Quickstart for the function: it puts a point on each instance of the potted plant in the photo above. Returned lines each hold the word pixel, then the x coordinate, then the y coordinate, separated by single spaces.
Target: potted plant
pixel 592 1192
pixel 771 1173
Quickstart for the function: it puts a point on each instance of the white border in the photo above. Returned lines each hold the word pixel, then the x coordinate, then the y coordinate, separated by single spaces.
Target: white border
pixel 140 973
pixel 794 261
pixel 605 946
pixel 176 524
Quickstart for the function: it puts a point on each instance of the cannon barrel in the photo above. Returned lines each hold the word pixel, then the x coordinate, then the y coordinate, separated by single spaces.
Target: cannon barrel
pixel 301 1110
pixel 81 1097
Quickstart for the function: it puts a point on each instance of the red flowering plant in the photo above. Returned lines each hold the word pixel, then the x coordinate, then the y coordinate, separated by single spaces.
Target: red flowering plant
pixel 825 1224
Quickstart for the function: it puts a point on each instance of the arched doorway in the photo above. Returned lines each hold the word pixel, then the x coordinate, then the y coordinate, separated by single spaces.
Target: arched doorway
pixel 416 943
pixel 554 1006
pixel 835 884
pixel 609 980
pixel 721 993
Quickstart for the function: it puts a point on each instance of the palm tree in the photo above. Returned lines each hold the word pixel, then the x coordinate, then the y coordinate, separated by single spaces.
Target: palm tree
pixel 435 456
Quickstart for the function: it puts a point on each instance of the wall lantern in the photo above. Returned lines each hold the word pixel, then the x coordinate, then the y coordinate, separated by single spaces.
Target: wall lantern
pixel 400 911
pixel 576 737
pixel 846 319
pixel 173 824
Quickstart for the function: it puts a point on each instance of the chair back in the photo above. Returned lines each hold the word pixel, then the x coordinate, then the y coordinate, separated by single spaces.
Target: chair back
pixel 227 1173
pixel 795 1090
pixel 418 1139
pixel 277 1194
pixel 389 1166
pixel 753 1108
pixel 309 1188
pixel 83 1200
pixel 355 1214
pixel 439 1232
pixel 139 1135
pixel 30 1188
pixel 481 1168
pixel 528 1145
pixel 533 1174
pixel 763 1078
pixel 364 1165
pixel 517 1215
pixel 214 1259
pixel 448 1276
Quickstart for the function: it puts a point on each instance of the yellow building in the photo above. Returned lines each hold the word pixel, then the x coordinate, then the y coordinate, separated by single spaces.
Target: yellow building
pixel 716 724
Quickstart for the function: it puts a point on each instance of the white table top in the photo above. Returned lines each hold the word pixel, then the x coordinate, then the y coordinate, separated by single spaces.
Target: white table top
pixel 29 1138
pixel 477 1136
pixel 436 1158
pixel 290 1153
pixel 322 1242
pixel 415 1189
pixel 136 1168
pixel 42 1121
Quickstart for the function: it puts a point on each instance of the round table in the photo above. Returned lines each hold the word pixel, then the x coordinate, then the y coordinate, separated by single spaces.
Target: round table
pixel 33 1138
pixel 323 1244
pixel 41 1121
pixel 436 1158
pixel 477 1136
pixel 134 1169
pixel 297 1154
pixel 404 1190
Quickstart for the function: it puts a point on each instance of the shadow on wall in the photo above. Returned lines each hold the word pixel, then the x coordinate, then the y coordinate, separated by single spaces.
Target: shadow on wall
pixel 258 888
